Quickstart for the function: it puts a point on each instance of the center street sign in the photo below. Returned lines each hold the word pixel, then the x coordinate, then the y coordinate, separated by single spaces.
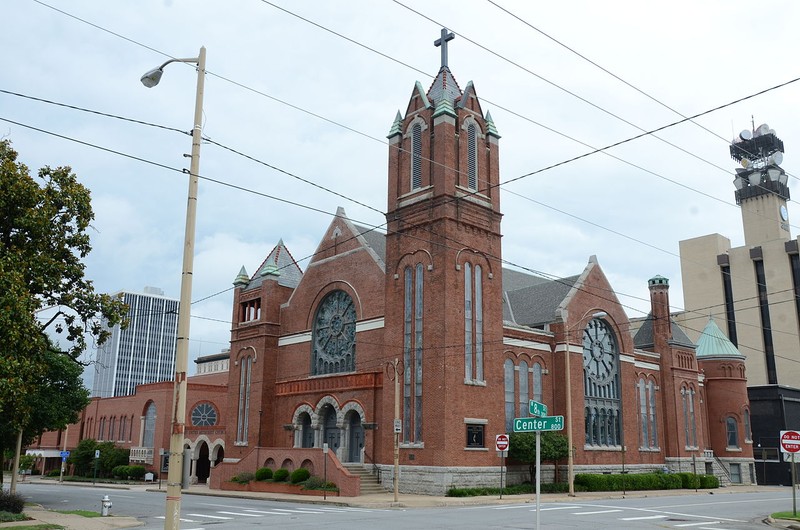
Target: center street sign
pixel 546 423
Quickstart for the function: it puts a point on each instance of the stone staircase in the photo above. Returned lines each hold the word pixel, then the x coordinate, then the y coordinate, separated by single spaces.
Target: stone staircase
pixel 369 482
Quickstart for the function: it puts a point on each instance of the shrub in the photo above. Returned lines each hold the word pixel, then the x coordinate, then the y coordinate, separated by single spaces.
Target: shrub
pixel 689 480
pixel 12 503
pixel 263 473
pixel 243 478
pixel 280 475
pixel 54 473
pixel 299 475
pixel 136 472
pixel 120 472
pixel 313 483
pixel 637 481
pixel 708 481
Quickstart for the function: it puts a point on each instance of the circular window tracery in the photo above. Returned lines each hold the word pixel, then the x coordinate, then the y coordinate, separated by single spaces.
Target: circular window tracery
pixel 334 335
pixel 204 415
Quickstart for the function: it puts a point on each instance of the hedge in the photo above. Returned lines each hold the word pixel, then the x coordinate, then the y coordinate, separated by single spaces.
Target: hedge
pixel 299 475
pixel 280 475
pixel 263 473
pixel 632 482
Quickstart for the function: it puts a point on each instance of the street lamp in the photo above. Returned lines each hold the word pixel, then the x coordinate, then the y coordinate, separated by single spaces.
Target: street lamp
pixel 174 475
pixel 568 386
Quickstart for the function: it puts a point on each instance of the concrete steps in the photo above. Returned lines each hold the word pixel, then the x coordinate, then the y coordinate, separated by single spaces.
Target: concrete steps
pixel 369 482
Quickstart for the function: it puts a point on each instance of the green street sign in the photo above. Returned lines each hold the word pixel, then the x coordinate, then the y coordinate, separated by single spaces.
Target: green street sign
pixel 537 409
pixel 547 423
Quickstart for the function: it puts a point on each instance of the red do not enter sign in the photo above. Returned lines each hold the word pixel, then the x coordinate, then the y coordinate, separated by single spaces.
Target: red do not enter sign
pixel 790 441
pixel 501 442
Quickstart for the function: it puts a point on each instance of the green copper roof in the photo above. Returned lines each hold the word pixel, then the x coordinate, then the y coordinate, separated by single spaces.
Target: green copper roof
pixel 396 126
pixel 242 278
pixel 444 106
pixel 714 343
pixel 491 129
pixel 658 280
pixel 422 94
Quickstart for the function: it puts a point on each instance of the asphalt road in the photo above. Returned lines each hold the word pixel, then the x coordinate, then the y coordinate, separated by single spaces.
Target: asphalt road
pixel 734 511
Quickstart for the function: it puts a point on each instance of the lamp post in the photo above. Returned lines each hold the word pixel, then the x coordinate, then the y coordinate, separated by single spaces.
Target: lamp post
pixel 174 475
pixel 568 387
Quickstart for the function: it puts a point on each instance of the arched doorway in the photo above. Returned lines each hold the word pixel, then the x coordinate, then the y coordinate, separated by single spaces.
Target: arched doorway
pixel 306 432
pixel 331 434
pixel 203 464
pixel 355 436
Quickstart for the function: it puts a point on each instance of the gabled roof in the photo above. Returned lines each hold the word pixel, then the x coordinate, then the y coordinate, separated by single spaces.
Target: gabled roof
pixel 714 343
pixel 644 337
pixel 279 265
pixel 535 304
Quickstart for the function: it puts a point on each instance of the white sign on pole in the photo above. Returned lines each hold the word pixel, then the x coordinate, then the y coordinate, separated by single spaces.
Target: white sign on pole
pixel 398 426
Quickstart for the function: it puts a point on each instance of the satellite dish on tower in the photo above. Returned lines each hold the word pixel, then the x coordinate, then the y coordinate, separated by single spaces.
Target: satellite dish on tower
pixel 776 158
pixel 762 129
pixel 745 135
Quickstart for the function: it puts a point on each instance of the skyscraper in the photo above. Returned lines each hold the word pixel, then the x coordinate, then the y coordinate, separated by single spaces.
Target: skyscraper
pixel 144 352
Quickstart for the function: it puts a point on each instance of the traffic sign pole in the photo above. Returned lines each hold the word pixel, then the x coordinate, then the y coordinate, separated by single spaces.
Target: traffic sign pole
pixel 538 477
pixel 794 490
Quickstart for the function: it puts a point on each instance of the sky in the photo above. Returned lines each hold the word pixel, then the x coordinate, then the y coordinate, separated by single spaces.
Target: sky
pixel 301 95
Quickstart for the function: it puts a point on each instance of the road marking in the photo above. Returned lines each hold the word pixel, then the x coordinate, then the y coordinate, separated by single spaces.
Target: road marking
pixel 696 524
pixel 238 513
pixel 270 513
pixel 511 507
pixel 643 518
pixel 557 508
pixel 184 520
pixel 210 516
pixel 297 511
pixel 596 512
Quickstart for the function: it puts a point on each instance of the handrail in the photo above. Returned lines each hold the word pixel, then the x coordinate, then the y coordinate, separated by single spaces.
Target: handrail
pixel 375 469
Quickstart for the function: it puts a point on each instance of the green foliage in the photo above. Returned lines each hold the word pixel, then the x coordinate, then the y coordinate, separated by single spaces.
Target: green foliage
pixel 708 481
pixel 11 502
pixel 26 462
pixel 82 457
pixel 299 475
pixel 689 480
pixel 519 489
pixel 243 478
pixel 44 222
pixel 630 482
pixel 54 473
pixel 8 517
pixel 522 448
pixel 313 483
pixel 263 473
pixel 280 475
pixel 136 472
pixel 82 513
pixel 111 456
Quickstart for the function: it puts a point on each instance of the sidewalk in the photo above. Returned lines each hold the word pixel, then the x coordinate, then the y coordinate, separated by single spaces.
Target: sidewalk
pixel 378 500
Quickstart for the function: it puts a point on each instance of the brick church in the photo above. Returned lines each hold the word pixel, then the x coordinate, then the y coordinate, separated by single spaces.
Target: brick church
pixel 423 324
pixel 315 354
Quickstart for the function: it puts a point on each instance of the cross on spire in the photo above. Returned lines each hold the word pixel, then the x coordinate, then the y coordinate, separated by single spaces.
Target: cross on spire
pixel 442 41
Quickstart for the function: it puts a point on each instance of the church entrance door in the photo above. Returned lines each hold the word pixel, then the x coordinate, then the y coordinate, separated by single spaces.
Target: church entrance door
pixel 331 433
pixel 355 442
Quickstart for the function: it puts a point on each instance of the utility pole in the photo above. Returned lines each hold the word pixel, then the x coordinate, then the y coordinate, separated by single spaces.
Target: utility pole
pixel 394 371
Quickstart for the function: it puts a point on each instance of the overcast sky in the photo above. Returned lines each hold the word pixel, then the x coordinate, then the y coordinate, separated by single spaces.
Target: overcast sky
pixel 310 89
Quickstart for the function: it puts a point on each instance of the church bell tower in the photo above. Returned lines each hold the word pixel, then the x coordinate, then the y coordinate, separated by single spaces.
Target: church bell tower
pixel 443 271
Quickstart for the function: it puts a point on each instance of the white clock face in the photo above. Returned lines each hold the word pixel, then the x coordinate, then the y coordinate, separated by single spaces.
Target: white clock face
pixel 784 213
pixel 599 350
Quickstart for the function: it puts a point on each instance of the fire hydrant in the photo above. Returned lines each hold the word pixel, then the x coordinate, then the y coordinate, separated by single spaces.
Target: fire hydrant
pixel 106 506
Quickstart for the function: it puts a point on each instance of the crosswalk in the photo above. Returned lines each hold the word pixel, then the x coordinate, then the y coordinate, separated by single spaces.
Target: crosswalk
pixel 217 516
pixel 632 515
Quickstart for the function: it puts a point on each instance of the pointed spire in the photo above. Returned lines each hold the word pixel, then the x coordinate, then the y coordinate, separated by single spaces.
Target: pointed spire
pixel 242 278
pixel 714 343
pixel 491 129
pixel 396 126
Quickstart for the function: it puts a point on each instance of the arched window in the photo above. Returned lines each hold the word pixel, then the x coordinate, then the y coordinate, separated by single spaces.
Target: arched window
pixel 416 156
pixel 689 425
pixel 473 323
pixel 412 354
pixel 472 156
pixel 243 413
pixel 537 382
pixel 748 434
pixel 644 436
pixel 148 440
pixel 508 376
pixel 523 389
pixel 102 432
pixel 112 428
pixel 601 384
pixel 732 431
pixel 333 342
pixel 651 393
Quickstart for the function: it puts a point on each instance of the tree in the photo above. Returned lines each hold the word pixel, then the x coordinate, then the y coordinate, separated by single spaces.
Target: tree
pixel 53 403
pixel 43 241
pixel 522 448
pixel 112 456
pixel 82 457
